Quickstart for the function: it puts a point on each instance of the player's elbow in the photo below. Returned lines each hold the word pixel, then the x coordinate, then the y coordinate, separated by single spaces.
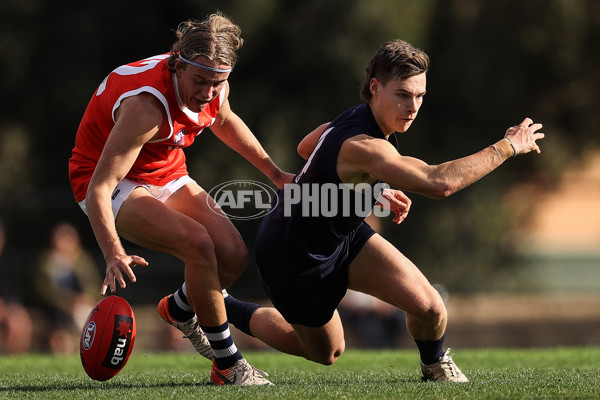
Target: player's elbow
pixel 303 150
pixel 441 190
pixel 443 193
pixel 308 143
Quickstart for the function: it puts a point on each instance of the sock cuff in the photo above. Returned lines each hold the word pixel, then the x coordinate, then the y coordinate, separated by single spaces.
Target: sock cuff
pixel 239 313
pixel 431 350
pixel 215 329
pixel 181 303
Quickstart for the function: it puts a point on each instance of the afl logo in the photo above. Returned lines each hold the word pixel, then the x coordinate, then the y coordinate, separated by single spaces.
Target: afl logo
pixel 242 200
pixel 88 335
pixel 179 138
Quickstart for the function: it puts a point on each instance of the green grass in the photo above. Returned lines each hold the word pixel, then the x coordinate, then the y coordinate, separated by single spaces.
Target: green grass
pixel 558 373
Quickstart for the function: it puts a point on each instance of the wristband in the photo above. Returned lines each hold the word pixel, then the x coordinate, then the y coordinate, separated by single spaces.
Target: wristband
pixel 505 149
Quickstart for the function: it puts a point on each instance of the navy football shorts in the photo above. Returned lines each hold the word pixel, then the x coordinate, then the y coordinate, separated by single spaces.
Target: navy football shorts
pixel 298 286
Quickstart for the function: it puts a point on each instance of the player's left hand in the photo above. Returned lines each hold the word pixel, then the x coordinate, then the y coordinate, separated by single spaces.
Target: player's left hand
pixel 523 137
pixel 396 201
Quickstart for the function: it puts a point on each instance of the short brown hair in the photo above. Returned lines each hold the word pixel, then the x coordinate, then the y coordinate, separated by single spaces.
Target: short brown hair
pixel 216 38
pixel 395 59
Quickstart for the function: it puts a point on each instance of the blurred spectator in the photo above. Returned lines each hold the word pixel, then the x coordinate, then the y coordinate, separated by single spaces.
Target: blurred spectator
pixel 372 322
pixel 68 283
pixel 15 322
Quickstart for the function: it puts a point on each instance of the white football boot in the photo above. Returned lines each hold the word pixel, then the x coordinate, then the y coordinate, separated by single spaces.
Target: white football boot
pixel 445 370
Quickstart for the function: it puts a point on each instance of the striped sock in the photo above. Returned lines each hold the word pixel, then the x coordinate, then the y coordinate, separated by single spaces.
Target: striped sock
pixel 225 351
pixel 179 305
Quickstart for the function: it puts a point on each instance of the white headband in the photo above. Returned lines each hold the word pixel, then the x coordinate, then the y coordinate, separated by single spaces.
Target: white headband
pixel 204 66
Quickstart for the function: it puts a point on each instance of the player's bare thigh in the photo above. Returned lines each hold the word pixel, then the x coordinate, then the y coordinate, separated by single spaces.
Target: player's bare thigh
pixel 193 201
pixel 150 223
pixel 383 271
pixel 165 226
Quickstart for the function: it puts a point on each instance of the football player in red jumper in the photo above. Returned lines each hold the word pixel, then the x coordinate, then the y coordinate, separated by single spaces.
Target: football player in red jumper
pixel 128 173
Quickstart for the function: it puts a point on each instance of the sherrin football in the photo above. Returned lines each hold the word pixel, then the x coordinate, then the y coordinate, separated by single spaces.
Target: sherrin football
pixel 107 338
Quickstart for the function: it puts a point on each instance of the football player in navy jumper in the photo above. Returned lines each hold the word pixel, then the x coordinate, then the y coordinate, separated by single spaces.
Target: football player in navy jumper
pixel 314 245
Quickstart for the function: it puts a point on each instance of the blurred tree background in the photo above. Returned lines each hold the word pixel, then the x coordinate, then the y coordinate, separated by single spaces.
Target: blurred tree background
pixel 493 63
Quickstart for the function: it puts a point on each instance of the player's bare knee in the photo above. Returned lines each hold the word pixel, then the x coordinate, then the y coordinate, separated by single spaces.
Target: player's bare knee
pixel 232 262
pixel 335 356
pixel 329 357
pixel 437 311
pixel 198 248
pixel 236 258
pixel 432 310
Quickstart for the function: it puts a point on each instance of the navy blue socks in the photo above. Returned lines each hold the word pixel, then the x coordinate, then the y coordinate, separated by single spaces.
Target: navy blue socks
pixel 431 350
pixel 239 313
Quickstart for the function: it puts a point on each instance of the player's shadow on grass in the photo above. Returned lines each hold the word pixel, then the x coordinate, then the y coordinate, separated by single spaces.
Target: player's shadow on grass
pixel 96 386
pixel 141 385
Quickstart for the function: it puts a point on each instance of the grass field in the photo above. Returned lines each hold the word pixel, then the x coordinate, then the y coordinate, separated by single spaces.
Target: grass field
pixel 558 373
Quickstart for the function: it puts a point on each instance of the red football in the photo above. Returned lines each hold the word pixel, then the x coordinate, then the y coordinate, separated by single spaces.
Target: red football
pixel 107 338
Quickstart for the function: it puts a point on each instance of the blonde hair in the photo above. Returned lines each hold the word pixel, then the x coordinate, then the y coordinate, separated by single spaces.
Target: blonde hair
pixel 216 38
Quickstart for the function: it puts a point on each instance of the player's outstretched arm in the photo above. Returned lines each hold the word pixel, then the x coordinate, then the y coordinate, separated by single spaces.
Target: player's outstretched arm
pixel 138 119
pixel 364 154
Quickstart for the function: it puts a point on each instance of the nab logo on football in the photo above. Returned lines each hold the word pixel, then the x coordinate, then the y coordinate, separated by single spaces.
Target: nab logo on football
pixel 119 345
pixel 242 200
pixel 89 333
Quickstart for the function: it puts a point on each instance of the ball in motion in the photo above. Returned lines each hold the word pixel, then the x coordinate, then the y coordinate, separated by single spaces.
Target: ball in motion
pixel 107 338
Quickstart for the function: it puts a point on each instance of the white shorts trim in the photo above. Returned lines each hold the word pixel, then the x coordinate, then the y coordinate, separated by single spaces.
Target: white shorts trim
pixel 126 186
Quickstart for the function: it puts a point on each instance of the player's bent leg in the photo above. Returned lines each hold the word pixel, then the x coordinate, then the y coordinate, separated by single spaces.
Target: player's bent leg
pixel 397 281
pixel 269 326
pixel 230 249
pixel 264 323
pixel 325 344
pixel 150 223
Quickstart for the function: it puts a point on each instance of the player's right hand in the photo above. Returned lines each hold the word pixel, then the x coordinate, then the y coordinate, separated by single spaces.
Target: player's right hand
pixel 524 136
pixel 396 201
pixel 115 268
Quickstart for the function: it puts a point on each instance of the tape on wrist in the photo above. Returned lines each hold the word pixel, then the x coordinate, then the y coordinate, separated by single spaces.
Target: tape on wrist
pixel 505 149
pixel 513 146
